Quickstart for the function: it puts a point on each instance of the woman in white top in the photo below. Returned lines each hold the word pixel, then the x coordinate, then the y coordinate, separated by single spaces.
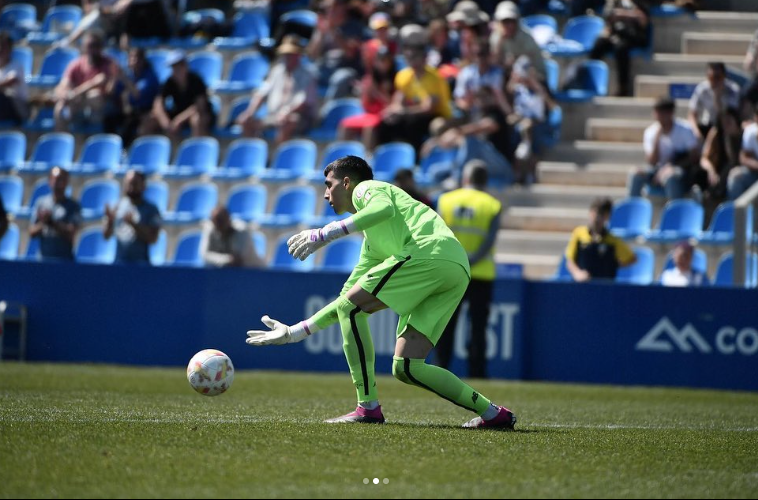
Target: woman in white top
pixel 14 96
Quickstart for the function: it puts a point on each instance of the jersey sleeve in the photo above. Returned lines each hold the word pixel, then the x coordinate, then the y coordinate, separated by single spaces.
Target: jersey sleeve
pixel 572 245
pixel 624 253
pixel 373 204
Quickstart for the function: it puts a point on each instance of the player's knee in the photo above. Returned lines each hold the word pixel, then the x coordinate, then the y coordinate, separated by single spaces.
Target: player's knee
pixel 345 308
pixel 398 370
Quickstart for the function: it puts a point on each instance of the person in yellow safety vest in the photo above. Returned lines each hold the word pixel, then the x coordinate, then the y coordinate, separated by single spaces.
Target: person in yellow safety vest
pixel 474 217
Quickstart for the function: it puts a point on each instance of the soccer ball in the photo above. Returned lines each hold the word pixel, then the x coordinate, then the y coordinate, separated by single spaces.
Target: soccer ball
pixel 210 372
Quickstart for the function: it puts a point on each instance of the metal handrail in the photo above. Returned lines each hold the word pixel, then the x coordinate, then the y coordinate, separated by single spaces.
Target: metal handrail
pixel 743 239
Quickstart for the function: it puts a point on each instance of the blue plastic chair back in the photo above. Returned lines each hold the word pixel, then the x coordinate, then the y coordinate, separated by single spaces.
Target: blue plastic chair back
pixel 342 255
pixel 101 153
pixel 120 56
pixel 150 154
pixel 196 16
pixel 553 72
pixel 32 250
pixel 251 25
pixel 208 65
pixel 297 156
pixel 562 273
pixel 56 149
pixel 249 70
pixel 699 261
pixel 53 66
pixel 683 218
pixel 157 251
pixel 9 243
pixel 12 150
pixel 93 248
pixel 283 261
pixel 157 59
pixel 25 57
pixel 199 154
pixel 641 272
pixel 247 155
pixel 391 157
pixel 247 203
pixel 157 193
pixel 61 19
pixel 259 244
pixel 198 200
pixel 298 202
pixel 631 218
pixel 188 250
pixel 340 149
pixel 332 114
pixel 11 192
pixel 725 270
pixel 303 17
pixel 17 15
pixel 96 195
pixel 584 29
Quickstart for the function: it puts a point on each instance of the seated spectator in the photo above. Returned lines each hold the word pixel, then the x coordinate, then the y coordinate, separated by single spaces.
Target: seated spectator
pixel 510 40
pixel 225 245
pixel 672 152
pixel 404 180
pixel 340 67
pixel 56 219
pixel 721 153
pixel 87 85
pixel 421 95
pixel 380 23
pixel 441 51
pixel 377 89
pixel 476 75
pixel 743 177
pixel 593 252
pixel 749 95
pixel 183 103
pixel 137 88
pixel 135 222
pixel 471 25
pixel 626 27
pixel 682 274
pixel 290 96
pixel 3 219
pixel 711 99
pixel 14 96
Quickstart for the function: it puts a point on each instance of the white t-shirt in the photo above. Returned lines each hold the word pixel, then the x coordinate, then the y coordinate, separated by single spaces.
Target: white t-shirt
pixel 18 90
pixel 675 277
pixel 750 139
pixel 703 101
pixel 681 138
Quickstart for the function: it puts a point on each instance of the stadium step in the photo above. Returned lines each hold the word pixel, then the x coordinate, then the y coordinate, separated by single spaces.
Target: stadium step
pixel 594 174
pixel 660 85
pixel 586 152
pixel 531 242
pixel 667 33
pixel 719 44
pixel 560 196
pixel 685 64
pixel 616 129
pixel 544 218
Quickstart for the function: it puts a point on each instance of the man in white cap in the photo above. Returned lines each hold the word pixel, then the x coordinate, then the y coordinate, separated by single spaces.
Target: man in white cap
pixel 289 93
pixel 510 41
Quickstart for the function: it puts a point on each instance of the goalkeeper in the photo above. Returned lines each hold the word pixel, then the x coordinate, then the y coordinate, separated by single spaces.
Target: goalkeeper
pixel 410 262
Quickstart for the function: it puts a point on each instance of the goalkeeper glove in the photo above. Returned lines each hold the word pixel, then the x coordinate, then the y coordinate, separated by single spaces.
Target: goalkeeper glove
pixel 279 333
pixel 304 243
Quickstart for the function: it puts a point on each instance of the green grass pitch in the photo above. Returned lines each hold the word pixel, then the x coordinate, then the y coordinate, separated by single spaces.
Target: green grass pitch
pixel 102 431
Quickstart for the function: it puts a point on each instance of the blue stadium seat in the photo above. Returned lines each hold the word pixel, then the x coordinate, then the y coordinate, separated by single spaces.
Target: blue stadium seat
pixel 11 192
pixel 118 55
pixel 25 57
pixel 641 272
pixel 53 66
pixel 208 65
pixel 93 248
pixel 230 130
pixel 543 27
pixel 101 154
pixel 553 73
pixel 303 17
pixel 721 230
pixel 9 243
pixel 248 202
pixel 157 193
pixel 194 17
pixel 342 255
pixel 96 195
pixel 259 244
pixel 12 150
pixel 631 218
pixel 58 21
pixel 149 154
pixel 680 220
pixel 436 166
pixel 195 157
pixel 249 28
pixel 188 250
pixel 195 203
pixel 40 189
pixel 335 151
pixel 157 251
pixel 18 19
pixel 725 269
pixel 548 133
pixel 32 251
pixel 294 205
pixel 42 121
pixel 562 273
pixel 593 82
pixel 293 159
pixel 283 261
pixel 157 59
pixel 244 158
pixel 248 72
pixel 52 150
pixel 327 215
pixel 391 157
pixel 579 36
pixel 699 261
pixel 332 113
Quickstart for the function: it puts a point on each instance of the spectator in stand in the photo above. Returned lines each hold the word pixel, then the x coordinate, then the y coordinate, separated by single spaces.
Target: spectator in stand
pixel 87 85
pixel 404 180
pixel 223 244
pixel 182 104
pixel 593 252
pixel 341 67
pixel 510 40
pixel 290 96
pixel 720 154
pixel 441 51
pixel 136 90
pixel 749 95
pixel 377 89
pixel 3 219
pixel 421 95
pixel 471 24
pixel 56 219
pixel 380 23
pixel 135 222
pixel 626 27
pixel 683 274
pixel 14 96
pixel 481 73
pixel 672 152
pixel 711 100
pixel 744 176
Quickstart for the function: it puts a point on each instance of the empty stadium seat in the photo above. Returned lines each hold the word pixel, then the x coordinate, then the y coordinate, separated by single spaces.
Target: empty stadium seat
pixel 562 273
pixel 248 202
pixel 552 74
pixel 721 230
pixel 578 37
pixel 9 243
pixel 157 193
pixel 101 154
pixel 332 113
pixel 592 82
pixel 187 252
pixel 52 150
pixel 12 150
pixel 259 244
pixel 725 270
pixel 157 59
pixel 335 151
pixel 42 121
pixel 96 195
pixel 58 21
pixel 680 220
pixel 149 154
pixel 391 157
pixel 294 205
pixel 342 255
pixel 248 72
pixel 631 218
pixel 641 272
pixel 230 129
pixel 195 203
pixel 18 19
pixel 25 57
pixel 292 160
pixel 436 166
pixel 93 248
pixel 40 189
pixel 32 253
pixel 11 192
pixel 283 261
pixel 249 28
pixel 195 157
pixel 542 27
pixel 327 215
pixel 53 66
pixel 244 158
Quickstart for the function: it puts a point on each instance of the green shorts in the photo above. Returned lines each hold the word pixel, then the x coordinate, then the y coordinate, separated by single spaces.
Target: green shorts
pixel 424 293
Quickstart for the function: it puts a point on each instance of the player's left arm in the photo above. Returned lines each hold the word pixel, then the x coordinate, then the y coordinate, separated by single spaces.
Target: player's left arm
pixel 488 243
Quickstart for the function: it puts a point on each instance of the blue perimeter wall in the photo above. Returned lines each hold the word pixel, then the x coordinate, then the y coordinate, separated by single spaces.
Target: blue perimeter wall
pixel 597 333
